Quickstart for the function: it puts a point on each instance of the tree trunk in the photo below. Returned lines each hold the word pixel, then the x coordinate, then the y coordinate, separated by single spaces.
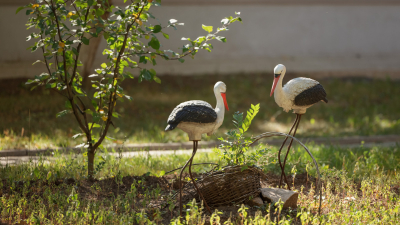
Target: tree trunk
pixel 90 163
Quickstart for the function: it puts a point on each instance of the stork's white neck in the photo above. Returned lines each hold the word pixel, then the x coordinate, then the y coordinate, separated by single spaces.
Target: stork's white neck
pixel 280 96
pixel 220 108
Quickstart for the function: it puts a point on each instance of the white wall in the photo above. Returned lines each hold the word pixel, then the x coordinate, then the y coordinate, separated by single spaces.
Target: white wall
pixel 331 39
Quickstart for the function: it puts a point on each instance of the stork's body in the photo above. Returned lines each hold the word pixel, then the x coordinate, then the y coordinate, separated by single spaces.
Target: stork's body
pixel 298 94
pixel 196 118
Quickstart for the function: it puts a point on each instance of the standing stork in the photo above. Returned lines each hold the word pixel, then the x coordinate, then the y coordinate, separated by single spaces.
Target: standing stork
pixel 298 94
pixel 196 118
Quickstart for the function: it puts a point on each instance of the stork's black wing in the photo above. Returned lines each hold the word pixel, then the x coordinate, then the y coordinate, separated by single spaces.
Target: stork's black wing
pixel 191 111
pixel 311 96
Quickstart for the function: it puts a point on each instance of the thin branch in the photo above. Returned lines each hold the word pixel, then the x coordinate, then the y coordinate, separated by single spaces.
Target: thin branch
pixel 45 60
pixel 77 11
pixel 79 108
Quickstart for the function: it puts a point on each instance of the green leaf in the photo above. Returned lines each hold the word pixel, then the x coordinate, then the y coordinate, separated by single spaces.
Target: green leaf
pixel 115 114
pixel 157 80
pixel 154 43
pixel 124 63
pixel 162 173
pixel 146 74
pixel 51 85
pixel 37 62
pixel 106 35
pixel 157 28
pixel 209 29
pixel 181 60
pixel 62 113
pixel 103 65
pixel 185 48
pixel 153 72
pixel 219 38
pixel 165 35
pixel 98 30
pixel 31 81
pixel 20 8
pixel 75 51
pixel 128 74
pixel 48 175
pixel 99 12
pixel 225 21
pixel 110 138
pixel 238 119
pixel 94 125
pixel 94 104
pixel 28 12
pixel 68 104
pixel 36 172
pixel 251 113
pixel 85 40
pixel 143 59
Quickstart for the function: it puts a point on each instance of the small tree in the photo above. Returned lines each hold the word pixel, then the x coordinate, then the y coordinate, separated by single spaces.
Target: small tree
pixel 65 25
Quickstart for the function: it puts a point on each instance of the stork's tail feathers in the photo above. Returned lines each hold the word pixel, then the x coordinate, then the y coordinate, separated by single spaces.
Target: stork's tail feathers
pixel 325 100
pixel 170 127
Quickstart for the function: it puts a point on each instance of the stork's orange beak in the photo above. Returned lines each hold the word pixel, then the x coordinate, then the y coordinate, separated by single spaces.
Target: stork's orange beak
pixel 225 102
pixel 276 79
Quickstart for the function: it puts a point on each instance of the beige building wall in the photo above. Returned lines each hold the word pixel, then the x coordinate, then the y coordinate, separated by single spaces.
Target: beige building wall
pixel 322 37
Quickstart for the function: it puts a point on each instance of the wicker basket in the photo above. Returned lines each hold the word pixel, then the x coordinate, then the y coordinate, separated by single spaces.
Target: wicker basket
pixel 230 185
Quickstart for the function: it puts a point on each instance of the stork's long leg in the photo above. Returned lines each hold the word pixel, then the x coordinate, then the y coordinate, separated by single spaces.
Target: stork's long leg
pixel 279 153
pixel 290 145
pixel 191 176
pixel 180 180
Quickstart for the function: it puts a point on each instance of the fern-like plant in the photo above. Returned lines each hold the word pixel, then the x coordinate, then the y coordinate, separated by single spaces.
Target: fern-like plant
pixel 233 150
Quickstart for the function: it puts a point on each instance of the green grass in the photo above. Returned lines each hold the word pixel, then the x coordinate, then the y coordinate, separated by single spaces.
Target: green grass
pixel 359 187
pixel 356 107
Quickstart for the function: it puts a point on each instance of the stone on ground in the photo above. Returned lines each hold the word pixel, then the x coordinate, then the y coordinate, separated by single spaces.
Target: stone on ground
pixel 257 201
pixel 274 194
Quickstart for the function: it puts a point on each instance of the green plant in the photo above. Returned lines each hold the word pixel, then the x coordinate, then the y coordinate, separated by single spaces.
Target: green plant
pixel 132 41
pixel 233 149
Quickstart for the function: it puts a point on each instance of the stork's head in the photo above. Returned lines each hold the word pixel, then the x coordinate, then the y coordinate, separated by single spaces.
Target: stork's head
pixel 220 88
pixel 278 71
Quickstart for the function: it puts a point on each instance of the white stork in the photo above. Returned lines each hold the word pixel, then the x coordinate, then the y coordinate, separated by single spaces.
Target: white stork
pixel 196 118
pixel 298 94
